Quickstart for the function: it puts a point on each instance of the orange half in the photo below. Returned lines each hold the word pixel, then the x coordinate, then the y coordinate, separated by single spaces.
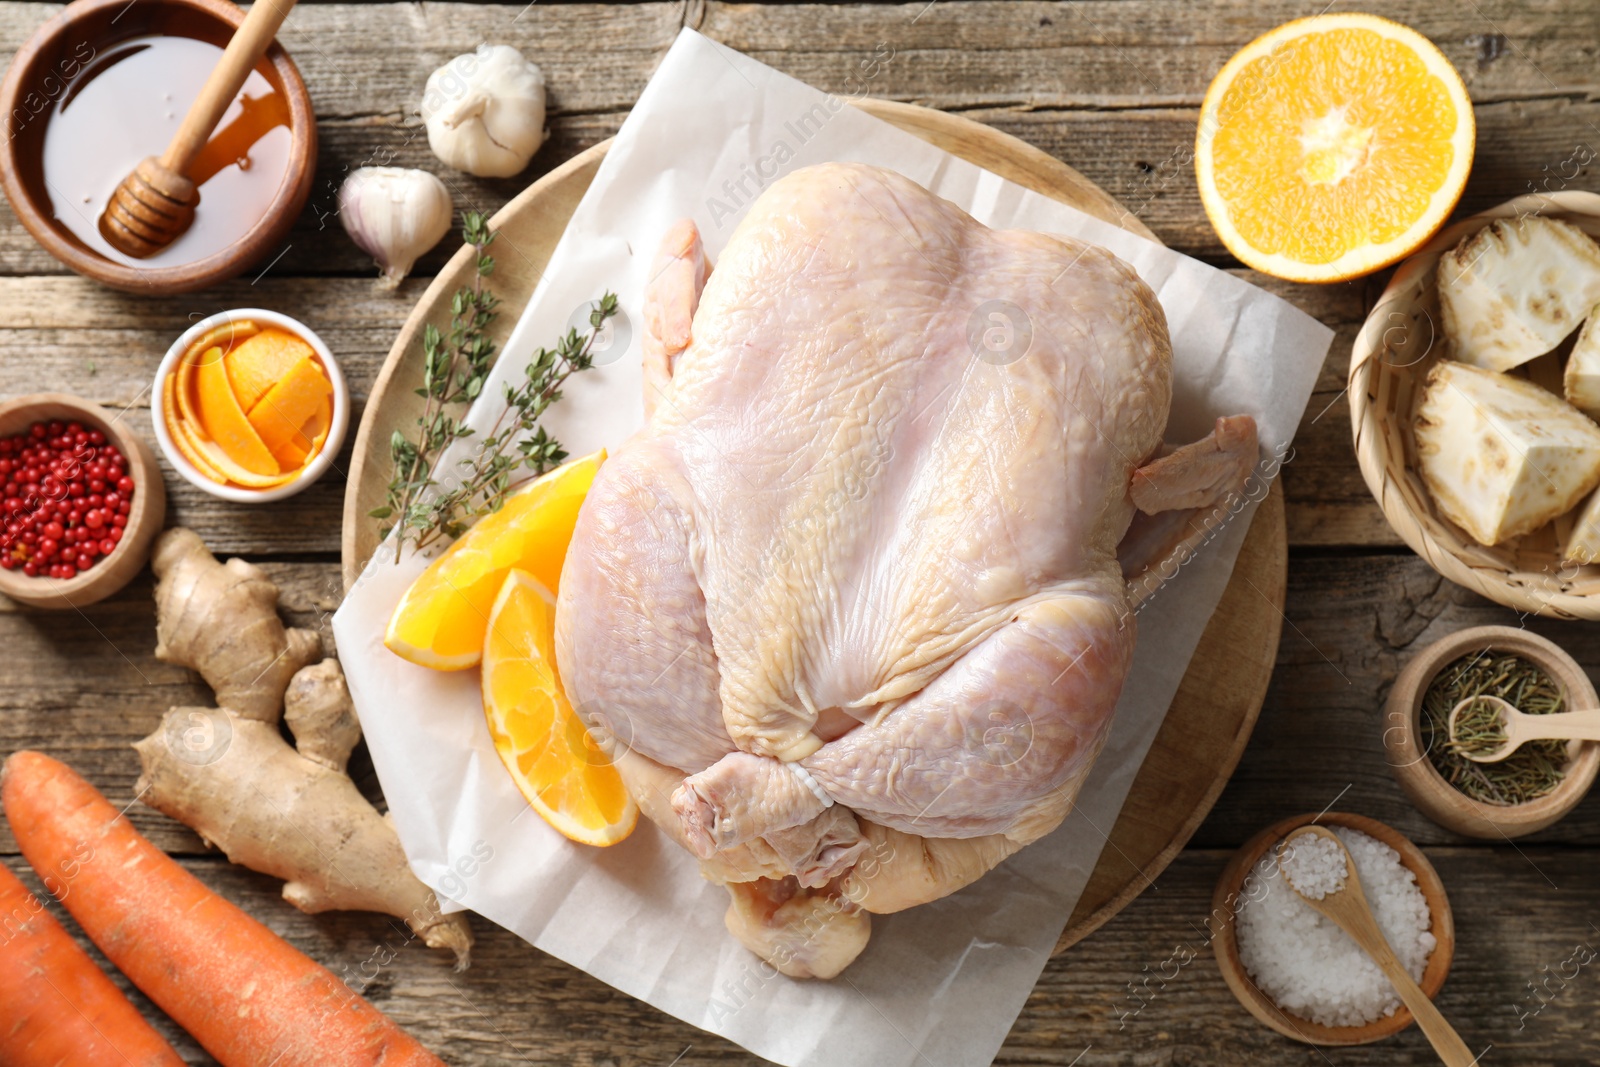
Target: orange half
pixel 1333 146
pixel 561 771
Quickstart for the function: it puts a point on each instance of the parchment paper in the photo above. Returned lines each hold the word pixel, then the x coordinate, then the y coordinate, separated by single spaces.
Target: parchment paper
pixel 940 984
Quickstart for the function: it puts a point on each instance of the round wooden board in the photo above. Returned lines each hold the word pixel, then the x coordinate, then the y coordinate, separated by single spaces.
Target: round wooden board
pixel 1215 709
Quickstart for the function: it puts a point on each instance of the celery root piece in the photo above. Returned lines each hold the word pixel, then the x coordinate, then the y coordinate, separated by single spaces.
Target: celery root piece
pixel 1500 456
pixel 1580 381
pixel 1512 291
pixel 286 810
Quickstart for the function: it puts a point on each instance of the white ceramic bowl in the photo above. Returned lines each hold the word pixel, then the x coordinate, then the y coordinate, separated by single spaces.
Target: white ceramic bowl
pixel 313 470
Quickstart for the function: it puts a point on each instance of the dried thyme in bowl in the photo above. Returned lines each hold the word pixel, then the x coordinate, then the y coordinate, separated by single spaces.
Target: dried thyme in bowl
pixel 1527 774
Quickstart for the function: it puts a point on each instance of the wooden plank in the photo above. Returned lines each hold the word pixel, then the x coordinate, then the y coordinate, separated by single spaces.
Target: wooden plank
pixel 1143 990
pixel 1129 53
pixel 92 341
pixel 1141 157
pixel 85 686
pixel 1072 85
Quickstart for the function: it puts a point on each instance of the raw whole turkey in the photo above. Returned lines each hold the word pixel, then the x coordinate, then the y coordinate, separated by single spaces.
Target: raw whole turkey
pixel 849 611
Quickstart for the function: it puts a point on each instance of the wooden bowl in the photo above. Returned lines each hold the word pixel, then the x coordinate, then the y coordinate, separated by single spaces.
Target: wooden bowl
pixel 1230 887
pixel 36 80
pixel 1436 798
pixel 1399 343
pixel 145 518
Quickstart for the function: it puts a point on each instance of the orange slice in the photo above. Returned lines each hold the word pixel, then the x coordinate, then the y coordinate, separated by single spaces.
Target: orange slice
pixel 563 773
pixel 307 440
pixel 224 421
pixel 441 620
pixel 317 426
pixel 290 455
pixel 1333 146
pixel 294 399
pixel 225 337
pixel 261 362
pixel 230 471
pixel 178 430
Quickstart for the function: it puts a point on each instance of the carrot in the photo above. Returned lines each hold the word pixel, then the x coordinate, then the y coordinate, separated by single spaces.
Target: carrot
pixel 57 1008
pixel 245 994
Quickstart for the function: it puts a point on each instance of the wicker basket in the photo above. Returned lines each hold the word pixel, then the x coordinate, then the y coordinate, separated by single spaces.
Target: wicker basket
pixel 1396 347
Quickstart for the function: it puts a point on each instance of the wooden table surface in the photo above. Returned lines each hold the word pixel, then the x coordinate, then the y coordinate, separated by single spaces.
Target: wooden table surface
pixel 1111 88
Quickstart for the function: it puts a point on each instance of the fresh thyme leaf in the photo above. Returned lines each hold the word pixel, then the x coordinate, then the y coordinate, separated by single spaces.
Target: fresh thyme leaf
pixel 455 369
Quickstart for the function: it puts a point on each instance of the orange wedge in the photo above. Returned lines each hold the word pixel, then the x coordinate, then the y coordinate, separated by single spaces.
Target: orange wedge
pixel 261 362
pixel 295 398
pixel 224 421
pixel 565 776
pixel 441 620
pixel 1333 146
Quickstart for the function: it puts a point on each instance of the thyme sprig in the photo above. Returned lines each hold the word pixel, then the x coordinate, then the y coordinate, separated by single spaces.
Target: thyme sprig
pixel 456 368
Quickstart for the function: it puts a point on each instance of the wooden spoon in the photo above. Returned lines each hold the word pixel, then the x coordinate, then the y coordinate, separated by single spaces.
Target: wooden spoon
pixel 1348 909
pixel 155 204
pixel 1520 727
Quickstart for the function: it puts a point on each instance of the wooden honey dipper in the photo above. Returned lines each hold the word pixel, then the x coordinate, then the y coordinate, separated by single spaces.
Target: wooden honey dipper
pixel 155 204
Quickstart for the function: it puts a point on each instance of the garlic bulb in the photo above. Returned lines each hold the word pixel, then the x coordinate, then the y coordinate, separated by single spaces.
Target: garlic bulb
pixel 395 215
pixel 485 111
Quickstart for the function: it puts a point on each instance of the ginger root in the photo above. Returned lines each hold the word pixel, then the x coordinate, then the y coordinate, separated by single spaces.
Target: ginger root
pixel 227 772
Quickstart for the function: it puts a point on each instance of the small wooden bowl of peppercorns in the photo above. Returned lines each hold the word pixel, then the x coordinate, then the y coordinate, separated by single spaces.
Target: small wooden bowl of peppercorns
pixel 81 500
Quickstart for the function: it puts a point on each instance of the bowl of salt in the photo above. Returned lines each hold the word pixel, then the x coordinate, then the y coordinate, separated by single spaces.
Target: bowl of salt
pixel 1297 972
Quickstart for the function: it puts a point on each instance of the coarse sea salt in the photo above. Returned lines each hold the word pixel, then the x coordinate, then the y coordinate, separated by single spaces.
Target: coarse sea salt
pixel 1305 963
pixel 1315 864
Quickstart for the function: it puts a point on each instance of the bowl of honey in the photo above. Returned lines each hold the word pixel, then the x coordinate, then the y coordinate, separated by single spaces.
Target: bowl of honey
pixel 104 84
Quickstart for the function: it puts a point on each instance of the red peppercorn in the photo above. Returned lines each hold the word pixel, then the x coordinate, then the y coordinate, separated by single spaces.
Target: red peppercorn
pixel 65 496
